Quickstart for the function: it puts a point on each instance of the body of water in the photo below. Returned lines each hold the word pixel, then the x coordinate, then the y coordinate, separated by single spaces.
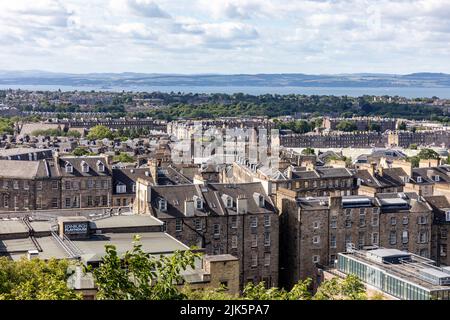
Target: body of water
pixel 443 93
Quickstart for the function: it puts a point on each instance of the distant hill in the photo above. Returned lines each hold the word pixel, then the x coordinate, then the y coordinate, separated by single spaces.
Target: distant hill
pixel 129 79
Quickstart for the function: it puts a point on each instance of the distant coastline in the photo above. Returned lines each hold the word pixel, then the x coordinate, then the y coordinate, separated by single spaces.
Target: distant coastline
pixel 407 92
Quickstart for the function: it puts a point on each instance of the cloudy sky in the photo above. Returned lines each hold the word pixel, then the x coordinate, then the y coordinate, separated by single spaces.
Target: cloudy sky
pixel 225 36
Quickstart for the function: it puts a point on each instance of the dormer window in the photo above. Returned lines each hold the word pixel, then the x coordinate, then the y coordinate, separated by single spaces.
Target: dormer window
pixel 259 199
pixel 227 200
pixel 133 187
pixel 69 167
pixel 437 178
pixel 447 216
pixel 84 167
pixel 419 179
pixel 198 203
pixel 100 166
pixel 162 204
pixel 121 188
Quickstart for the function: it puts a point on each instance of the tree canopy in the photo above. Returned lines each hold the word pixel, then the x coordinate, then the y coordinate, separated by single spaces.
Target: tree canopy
pixel 35 280
pixel 100 132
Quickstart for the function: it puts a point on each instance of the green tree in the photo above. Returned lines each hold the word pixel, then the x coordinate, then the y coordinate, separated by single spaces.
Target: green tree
pixel 35 280
pixel 350 288
pixel 308 151
pixel 100 132
pixel 80 151
pixel 413 146
pixel 374 127
pixel 124 157
pixel 428 154
pixel 140 276
pixel 346 125
pixel 402 126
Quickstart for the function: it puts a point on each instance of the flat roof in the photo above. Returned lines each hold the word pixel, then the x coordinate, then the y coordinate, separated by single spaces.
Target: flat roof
pixel 384 253
pixel 124 221
pixel 152 242
pixel 12 226
pixel 14 246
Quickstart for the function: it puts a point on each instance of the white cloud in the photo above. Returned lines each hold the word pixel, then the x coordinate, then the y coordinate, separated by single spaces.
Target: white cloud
pixel 311 36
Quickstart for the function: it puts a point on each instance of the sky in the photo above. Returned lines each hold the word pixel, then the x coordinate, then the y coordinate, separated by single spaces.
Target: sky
pixel 226 36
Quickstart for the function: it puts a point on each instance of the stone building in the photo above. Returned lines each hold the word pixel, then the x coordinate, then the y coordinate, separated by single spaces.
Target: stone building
pixel 236 219
pixel 58 183
pixel 85 181
pixel 314 230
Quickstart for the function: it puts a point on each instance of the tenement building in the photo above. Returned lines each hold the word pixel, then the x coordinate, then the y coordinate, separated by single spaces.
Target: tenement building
pixel 58 183
pixel 309 181
pixel 334 140
pixel 314 230
pixel 236 219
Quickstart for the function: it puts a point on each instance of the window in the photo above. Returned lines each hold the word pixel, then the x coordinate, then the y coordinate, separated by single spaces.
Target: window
pixel 332 241
pixel 375 220
pixel 199 204
pixel 100 166
pixel 443 233
pixel 54 185
pixel 348 223
pixel 333 260
pixel 333 222
pixel 393 238
pixel 6 201
pixel 5 184
pixel 198 224
pixel 15 184
pixel 362 221
pixel 39 203
pixel 117 202
pixel 254 259
pixel 348 239
pixel 393 221
pixel 39 185
pixel 216 230
pixel 104 201
pixel 405 220
pixel 162 205
pixel 316 225
pixel 67 185
pixel 67 202
pixel 69 168
pixel 316 239
pixel 121 188
pixel 229 202
pixel 234 222
pixel 254 222
pixel 424 253
pixel 26 186
pixel 375 238
pixel 361 240
pixel 422 220
pixel 267 239
pixel 266 259
pixel 423 237
pixel 254 240
pixel 419 179
pixel 90 184
pixel 443 250
pixel 54 202
pixel 89 201
pixel 105 184
pixel 362 211
pixel 178 225
pixel 316 259
pixel 234 242
pixel 84 167
pixel 75 185
pixel 437 178
pixel 133 187
pixel 348 213
pixel 266 220
pixel 405 237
